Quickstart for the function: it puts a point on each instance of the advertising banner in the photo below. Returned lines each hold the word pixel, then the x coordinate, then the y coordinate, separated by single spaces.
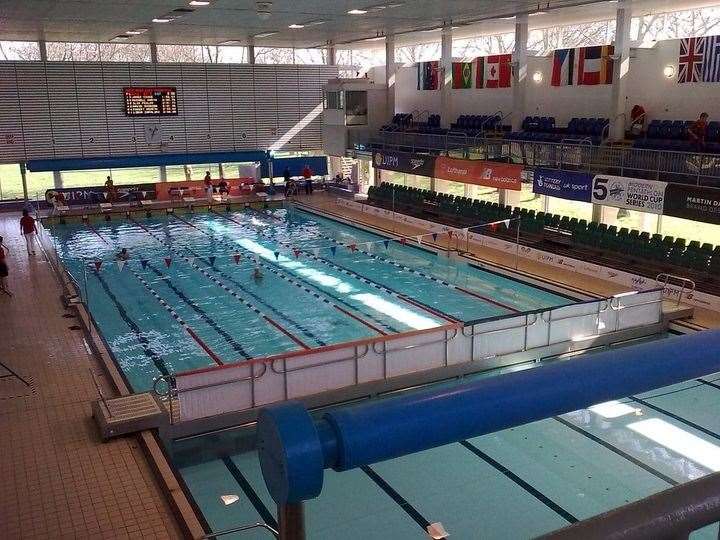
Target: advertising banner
pixel 99 194
pixel 631 193
pixel 480 173
pixel 404 162
pixel 693 202
pixel 569 185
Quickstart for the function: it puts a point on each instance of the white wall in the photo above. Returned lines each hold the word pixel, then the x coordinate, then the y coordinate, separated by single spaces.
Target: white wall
pixel 647 86
pixel 65 109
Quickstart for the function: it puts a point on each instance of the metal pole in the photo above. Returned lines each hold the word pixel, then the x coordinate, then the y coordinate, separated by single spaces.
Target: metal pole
pixel 393 209
pixel 291 521
pixel 517 245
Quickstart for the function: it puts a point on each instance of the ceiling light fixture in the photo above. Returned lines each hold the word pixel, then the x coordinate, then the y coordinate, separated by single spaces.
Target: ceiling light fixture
pixel 230 42
pixel 136 32
pixel 538 13
pixel 161 20
pixel 296 26
pixel 199 3
pixel 357 12
pixel 313 23
pixel 264 35
pixel 121 37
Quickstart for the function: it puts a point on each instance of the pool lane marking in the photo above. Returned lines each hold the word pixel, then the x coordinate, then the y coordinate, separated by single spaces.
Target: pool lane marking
pixel 144 342
pixel 360 277
pixel 179 319
pixel 520 482
pixel 674 416
pixel 616 450
pixel 87 224
pixel 708 383
pixel 205 317
pixel 250 492
pixel 401 501
pixel 415 271
pixel 276 272
pixel 228 290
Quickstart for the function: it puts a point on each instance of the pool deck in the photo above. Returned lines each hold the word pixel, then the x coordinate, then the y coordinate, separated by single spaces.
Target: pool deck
pixel 58 479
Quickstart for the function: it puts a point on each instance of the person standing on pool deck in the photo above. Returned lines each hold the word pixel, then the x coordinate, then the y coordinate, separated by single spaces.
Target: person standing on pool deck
pixel 3 267
pixel 208 186
pixel 307 175
pixel 110 187
pixel 29 231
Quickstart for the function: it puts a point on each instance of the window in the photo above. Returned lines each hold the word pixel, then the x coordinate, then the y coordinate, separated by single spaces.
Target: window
pixel 37 184
pixel 355 108
pixel 392 177
pixel 470 48
pixel 573 209
pixel 526 198
pixel 92 177
pixel 421 182
pixel 124 52
pixel 272 55
pixel 690 230
pixel 334 100
pixel 10 182
pixel 482 193
pixel 451 188
pixel 310 56
pixel 137 175
pixel 207 54
pixel 73 52
pixel 631 219
pixel 412 54
pixel 19 50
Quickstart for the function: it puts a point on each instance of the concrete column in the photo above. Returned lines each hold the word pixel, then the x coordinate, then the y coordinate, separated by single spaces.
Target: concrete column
pixel 331 61
pixel 163 173
pixel 520 72
pixel 621 70
pixel 23 177
pixel 57 179
pixel 390 75
pixel 251 51
pixel 446 106
pixel 153 53
pixel 597 213
pixel 43 50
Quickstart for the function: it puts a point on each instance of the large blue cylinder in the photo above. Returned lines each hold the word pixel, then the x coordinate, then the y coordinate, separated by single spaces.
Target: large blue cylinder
pixel 378 430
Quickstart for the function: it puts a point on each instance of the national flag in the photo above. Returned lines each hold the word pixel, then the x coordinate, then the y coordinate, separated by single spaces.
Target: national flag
pixel 462 74
pixel 564 67
pixel 428 75
pixel 498 71
pixel 595 65
pixel 479 66
pixel 711 59
pixel 690 62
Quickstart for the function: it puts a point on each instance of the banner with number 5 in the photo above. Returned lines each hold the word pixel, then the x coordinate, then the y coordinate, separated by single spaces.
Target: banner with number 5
pixel 632 193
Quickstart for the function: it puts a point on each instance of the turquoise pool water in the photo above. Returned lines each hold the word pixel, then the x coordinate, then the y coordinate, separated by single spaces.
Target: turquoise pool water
pixel 517 483
pixel 187 297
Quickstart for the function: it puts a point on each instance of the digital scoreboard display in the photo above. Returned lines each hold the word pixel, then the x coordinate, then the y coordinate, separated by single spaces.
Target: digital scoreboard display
pixel 150 100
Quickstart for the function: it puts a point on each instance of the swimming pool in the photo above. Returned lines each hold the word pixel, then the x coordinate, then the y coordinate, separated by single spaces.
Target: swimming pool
pixel 187 297
pixel 516 483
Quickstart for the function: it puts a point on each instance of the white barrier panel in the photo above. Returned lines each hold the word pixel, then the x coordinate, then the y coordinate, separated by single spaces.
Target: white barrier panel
pixel 693 298
pixel 242 386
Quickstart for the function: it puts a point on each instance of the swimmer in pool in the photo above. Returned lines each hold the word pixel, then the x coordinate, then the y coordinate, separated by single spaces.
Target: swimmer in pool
pixel 257 275
pixel 123 255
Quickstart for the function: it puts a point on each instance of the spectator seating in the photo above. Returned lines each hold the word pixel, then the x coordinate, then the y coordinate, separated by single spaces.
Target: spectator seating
pixel 404 122
pixel 543 129
pixel 673 135
pixel 661 252
pixel 475 124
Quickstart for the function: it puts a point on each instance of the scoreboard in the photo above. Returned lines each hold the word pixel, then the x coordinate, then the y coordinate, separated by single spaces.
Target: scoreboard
pixel 150 100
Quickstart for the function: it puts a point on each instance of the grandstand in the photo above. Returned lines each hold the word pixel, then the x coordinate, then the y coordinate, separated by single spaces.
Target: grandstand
pixel 343 270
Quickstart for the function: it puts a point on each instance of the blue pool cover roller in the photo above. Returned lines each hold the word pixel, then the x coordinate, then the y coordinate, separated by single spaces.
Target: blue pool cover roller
pixel 294 448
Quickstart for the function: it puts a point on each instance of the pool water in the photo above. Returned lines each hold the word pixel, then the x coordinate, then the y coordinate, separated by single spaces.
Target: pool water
pixel 188 298
pixel 516 483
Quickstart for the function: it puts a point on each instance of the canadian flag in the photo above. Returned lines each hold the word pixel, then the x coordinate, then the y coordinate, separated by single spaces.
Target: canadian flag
pixel 498 72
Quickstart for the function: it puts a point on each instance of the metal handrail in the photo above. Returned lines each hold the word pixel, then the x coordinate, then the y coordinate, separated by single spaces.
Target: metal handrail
pixel 355 356
pixel 687 284
pixel 462 134
pixel 549 319
pixel 249 378
pixel 385 350
pixel 527 324
pixel 241 528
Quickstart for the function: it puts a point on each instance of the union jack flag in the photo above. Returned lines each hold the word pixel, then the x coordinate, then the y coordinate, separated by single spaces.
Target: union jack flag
pixel 690 63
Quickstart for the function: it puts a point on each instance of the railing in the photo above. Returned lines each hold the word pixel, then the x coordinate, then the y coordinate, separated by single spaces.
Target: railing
pixel 241 528
pixel 673 514
pixel 670 284
pixel 299 374
pixel 685 167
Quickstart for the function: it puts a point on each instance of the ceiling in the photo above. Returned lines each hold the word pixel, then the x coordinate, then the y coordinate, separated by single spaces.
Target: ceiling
pixel 238 20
